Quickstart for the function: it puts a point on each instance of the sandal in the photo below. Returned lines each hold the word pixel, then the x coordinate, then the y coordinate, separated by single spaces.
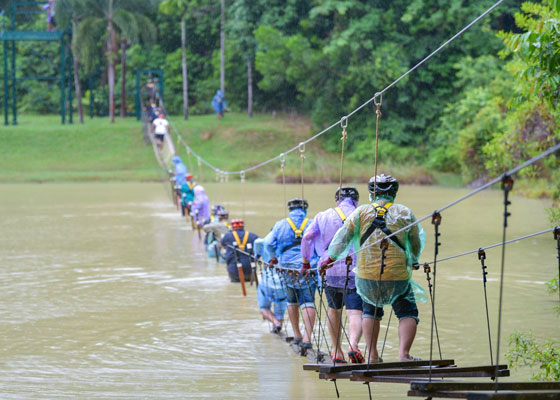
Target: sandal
pixel 338 360
pixel 356 357
pixel 411 359
pixel 306 345
pixel 277 329
pixel 296 341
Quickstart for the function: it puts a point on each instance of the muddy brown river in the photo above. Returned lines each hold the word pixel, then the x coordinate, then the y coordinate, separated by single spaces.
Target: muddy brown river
pixel 105 293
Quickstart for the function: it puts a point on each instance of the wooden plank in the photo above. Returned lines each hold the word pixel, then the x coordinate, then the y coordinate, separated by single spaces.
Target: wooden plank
pixel 339 375
pixel 314 367
pixel 329 368
pixel 516 395
pixel 438 394
pixel 475 386
pixel 386 379
pixel 463 372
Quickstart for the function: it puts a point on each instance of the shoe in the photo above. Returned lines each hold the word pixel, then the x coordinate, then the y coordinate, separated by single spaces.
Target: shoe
pixel 356 357
pixel 277 329
pixel 306 345
pixel 296 341
pixel 410 359
pixel 338 360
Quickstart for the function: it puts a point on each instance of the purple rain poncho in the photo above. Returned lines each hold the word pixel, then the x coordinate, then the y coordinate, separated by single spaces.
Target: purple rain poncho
pixel 320 234
pixel 200 206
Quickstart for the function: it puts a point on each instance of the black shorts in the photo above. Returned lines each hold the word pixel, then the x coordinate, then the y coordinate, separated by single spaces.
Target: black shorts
pixel 159 136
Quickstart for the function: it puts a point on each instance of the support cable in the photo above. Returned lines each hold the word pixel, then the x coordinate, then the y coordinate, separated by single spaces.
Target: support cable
pixel 557 238
pixel 507 185
pixel 482 258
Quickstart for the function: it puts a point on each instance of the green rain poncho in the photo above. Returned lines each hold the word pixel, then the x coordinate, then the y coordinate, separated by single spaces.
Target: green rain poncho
pixel 397 274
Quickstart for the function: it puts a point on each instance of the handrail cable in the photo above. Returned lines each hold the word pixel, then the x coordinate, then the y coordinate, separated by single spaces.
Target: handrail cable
pixel 344 118
pixel 512 171
pixel 491 246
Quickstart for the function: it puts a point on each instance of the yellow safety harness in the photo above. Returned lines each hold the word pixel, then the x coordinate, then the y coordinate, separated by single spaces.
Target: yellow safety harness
pixel 191 185
pixel 379 223
pixel 297 231
pixel 239 243
pixel 226 224
pixel 340 214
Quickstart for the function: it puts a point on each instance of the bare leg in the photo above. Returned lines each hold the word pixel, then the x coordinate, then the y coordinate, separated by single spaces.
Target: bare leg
pixel 355 327
pixel 371 330
pixel 269 315
pixel 334 330
pixel 407 332
pixel 309 321
pixel 293 312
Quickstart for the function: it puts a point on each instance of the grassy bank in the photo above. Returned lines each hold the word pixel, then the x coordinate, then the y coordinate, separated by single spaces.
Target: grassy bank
pixel 40 149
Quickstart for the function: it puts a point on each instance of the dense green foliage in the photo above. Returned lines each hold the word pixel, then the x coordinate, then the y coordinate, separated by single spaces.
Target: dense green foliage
pixel 478 107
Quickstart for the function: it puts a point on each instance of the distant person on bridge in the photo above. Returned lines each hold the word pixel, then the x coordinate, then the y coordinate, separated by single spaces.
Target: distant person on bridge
pixel 283 243
pixel 238 238
pixel 179 172
pixel 219 104
pixel 393 283
pixel 51 23
pixel 271 290
pixel 340 286
pixel 215 231
pixel 200 209
pixel 160 127
pixel 187 193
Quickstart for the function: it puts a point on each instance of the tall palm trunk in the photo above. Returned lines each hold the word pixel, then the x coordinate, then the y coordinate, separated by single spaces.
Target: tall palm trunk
pixel 77 84
pixel 249 88
pixel 123 77
pixel 223 49
pixel 111 45
pixel 78 90
pixel 184 64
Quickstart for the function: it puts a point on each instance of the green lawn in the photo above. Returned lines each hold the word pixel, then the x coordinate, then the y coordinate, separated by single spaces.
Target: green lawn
pixel 40 149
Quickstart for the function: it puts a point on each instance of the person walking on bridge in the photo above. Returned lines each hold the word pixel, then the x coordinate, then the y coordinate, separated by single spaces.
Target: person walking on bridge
pixel 340 286
pixel 387 282
pixel 238 238
pixel 160 127
pixel 187 193
pixel 283 243
pixel 200 209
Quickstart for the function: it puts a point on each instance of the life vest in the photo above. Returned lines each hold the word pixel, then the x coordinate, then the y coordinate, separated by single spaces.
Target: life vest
pixel 297 231
pixel 340 214
pixel 379 223
pixel 240 243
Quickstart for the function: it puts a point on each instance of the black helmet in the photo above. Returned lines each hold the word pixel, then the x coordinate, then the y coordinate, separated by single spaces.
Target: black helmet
pixel 347 191
pixel 297 203
pixel 384 184
pixel 223 213
pixel 216 208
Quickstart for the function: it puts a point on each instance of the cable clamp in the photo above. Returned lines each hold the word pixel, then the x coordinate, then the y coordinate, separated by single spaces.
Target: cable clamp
pixel 436 218
pixel 301 147
pixel 507 183
pixel 481 254
pixel 556 232
pixel 344 122
pixel 378 102
pixel 242 175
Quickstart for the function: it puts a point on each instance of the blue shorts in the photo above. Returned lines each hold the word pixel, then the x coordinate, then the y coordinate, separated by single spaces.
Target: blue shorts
pixel 280 306
pixel 352 299
pixel 401 306
pixel 301 297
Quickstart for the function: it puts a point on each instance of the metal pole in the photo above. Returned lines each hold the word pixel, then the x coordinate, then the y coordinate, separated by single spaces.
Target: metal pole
pixel 70 76
pixel 6 82
pixel 62 80
pixel 138 107
pixel 14 92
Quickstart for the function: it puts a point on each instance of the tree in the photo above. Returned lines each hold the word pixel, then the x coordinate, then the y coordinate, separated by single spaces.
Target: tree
pixel 104 21
pixel 223 47
pixel 180 7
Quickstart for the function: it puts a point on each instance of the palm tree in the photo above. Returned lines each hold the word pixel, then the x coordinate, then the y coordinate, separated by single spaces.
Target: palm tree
pixel 105 22
pixel 180 7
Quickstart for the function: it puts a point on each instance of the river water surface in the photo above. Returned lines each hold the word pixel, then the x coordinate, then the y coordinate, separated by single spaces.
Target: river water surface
pixel 106 294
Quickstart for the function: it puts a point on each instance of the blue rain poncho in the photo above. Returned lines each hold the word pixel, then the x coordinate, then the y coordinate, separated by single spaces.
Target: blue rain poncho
pixel 180 171
pixel 397 275
pixel 271 283
pixel 219 102
pixel 281 242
